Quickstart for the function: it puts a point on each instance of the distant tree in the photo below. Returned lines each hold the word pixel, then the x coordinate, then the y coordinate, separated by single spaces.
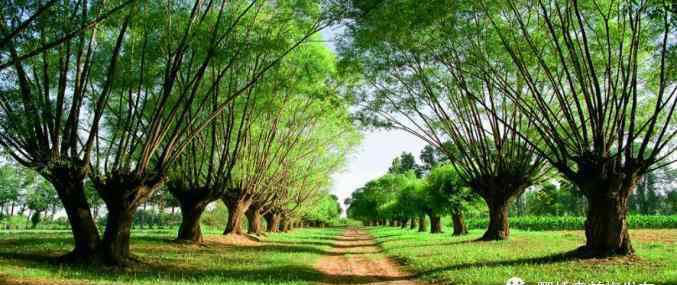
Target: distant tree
pixel 448 187
pixel 10 185
pixel 404 163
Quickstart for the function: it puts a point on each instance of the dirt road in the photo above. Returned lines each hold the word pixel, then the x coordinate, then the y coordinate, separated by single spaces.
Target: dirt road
pixel 356 259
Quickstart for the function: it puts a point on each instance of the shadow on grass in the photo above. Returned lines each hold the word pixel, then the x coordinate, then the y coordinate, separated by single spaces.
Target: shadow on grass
pixel 157 271
pixel 548 259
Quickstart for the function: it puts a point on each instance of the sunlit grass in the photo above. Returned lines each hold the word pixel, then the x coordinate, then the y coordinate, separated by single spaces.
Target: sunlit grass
pixel 532 256
pixel 281 259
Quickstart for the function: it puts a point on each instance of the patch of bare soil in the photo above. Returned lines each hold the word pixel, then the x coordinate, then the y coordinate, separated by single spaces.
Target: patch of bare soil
pixel 356 259
pixel 232 240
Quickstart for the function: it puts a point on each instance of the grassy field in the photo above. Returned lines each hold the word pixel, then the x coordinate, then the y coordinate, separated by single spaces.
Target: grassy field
pixel 533 256
pixel 28 258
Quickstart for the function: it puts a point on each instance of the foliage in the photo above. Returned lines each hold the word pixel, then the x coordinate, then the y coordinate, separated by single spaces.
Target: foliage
pixel 560 223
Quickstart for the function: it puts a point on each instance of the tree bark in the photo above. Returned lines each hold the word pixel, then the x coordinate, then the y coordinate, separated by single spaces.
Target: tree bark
pixel 459 224
pixel 412 224
pixel 190 230
pixel 71 192
pixel 254 221
pixel 498 220
pixel 421 224
pixel 115 243
pixel 435 224
pixel 273 222
pixel 606 226
pixel 122 193
pixel 236 212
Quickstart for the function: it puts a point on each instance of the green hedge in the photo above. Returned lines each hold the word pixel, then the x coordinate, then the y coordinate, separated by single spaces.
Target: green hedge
pixel 551 223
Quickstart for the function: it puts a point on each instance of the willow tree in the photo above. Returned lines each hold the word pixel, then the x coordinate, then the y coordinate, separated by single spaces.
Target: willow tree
pixel 56 62
pixel 201 173
pixel 420 76
pixel 298 119
pixel 599 89
pixel 151 116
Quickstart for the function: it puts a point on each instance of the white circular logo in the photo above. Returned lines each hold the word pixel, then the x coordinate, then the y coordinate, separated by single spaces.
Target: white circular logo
pixel 515 281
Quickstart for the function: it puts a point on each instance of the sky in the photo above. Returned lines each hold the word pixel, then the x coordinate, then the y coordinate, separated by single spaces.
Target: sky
pixel 374 156
pixel 372 159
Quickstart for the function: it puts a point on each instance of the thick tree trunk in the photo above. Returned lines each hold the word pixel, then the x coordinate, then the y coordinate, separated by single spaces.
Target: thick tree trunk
pixel 459 224
pixel 71 192
pixel 190 230
pixel 115 243
pixel 273 222
pixel 236 213
pixel 412 224
pixel 435 224
pixel 122 194
pixel 606 226
pixel 498 220
pixel 421 224
pixel 254 221
pixel 269 221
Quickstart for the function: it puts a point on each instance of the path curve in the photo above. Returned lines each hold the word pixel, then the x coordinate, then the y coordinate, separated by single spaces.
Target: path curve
pixel 356 259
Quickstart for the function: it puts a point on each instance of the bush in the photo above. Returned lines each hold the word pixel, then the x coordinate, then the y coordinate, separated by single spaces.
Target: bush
pixel 551 223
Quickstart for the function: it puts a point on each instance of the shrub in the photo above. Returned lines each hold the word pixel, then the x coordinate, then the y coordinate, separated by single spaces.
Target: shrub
pixel 557 223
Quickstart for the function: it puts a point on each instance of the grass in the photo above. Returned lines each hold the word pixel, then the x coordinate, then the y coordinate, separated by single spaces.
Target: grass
pixel 533 256
pixel 28 258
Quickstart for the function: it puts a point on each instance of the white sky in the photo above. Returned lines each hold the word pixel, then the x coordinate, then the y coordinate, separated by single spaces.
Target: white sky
pixel 373 157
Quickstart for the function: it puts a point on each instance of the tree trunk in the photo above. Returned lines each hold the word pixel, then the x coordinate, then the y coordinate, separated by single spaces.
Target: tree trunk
pixel 435 224
pixel 273 222
pixel 71 192
pixel 284 226
pixel 122 193
pixel 190 230
pixel 606 226
pixel 115 243
pixel 459 224
pixel 412 224
pixel 498 220
pixel 421 224
pixel 236 213
pixel 254 219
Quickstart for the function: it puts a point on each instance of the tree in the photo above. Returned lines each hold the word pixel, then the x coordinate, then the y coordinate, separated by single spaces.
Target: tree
pixel 405 162
pixel 601 85
pixel 9 188
pixel 420 76
pixel 448 186
pixel 47 104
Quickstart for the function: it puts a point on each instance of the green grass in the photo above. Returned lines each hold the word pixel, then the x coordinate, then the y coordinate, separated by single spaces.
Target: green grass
pixel 283 259
pixel 532 256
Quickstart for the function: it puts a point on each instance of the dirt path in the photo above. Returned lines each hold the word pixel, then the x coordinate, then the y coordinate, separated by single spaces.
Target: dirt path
pixel 356 259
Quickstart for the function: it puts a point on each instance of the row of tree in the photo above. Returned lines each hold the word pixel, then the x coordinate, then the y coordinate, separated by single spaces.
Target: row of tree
pixel 26 200
pixel 586 88
pixel 412 195
pixel 210 100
